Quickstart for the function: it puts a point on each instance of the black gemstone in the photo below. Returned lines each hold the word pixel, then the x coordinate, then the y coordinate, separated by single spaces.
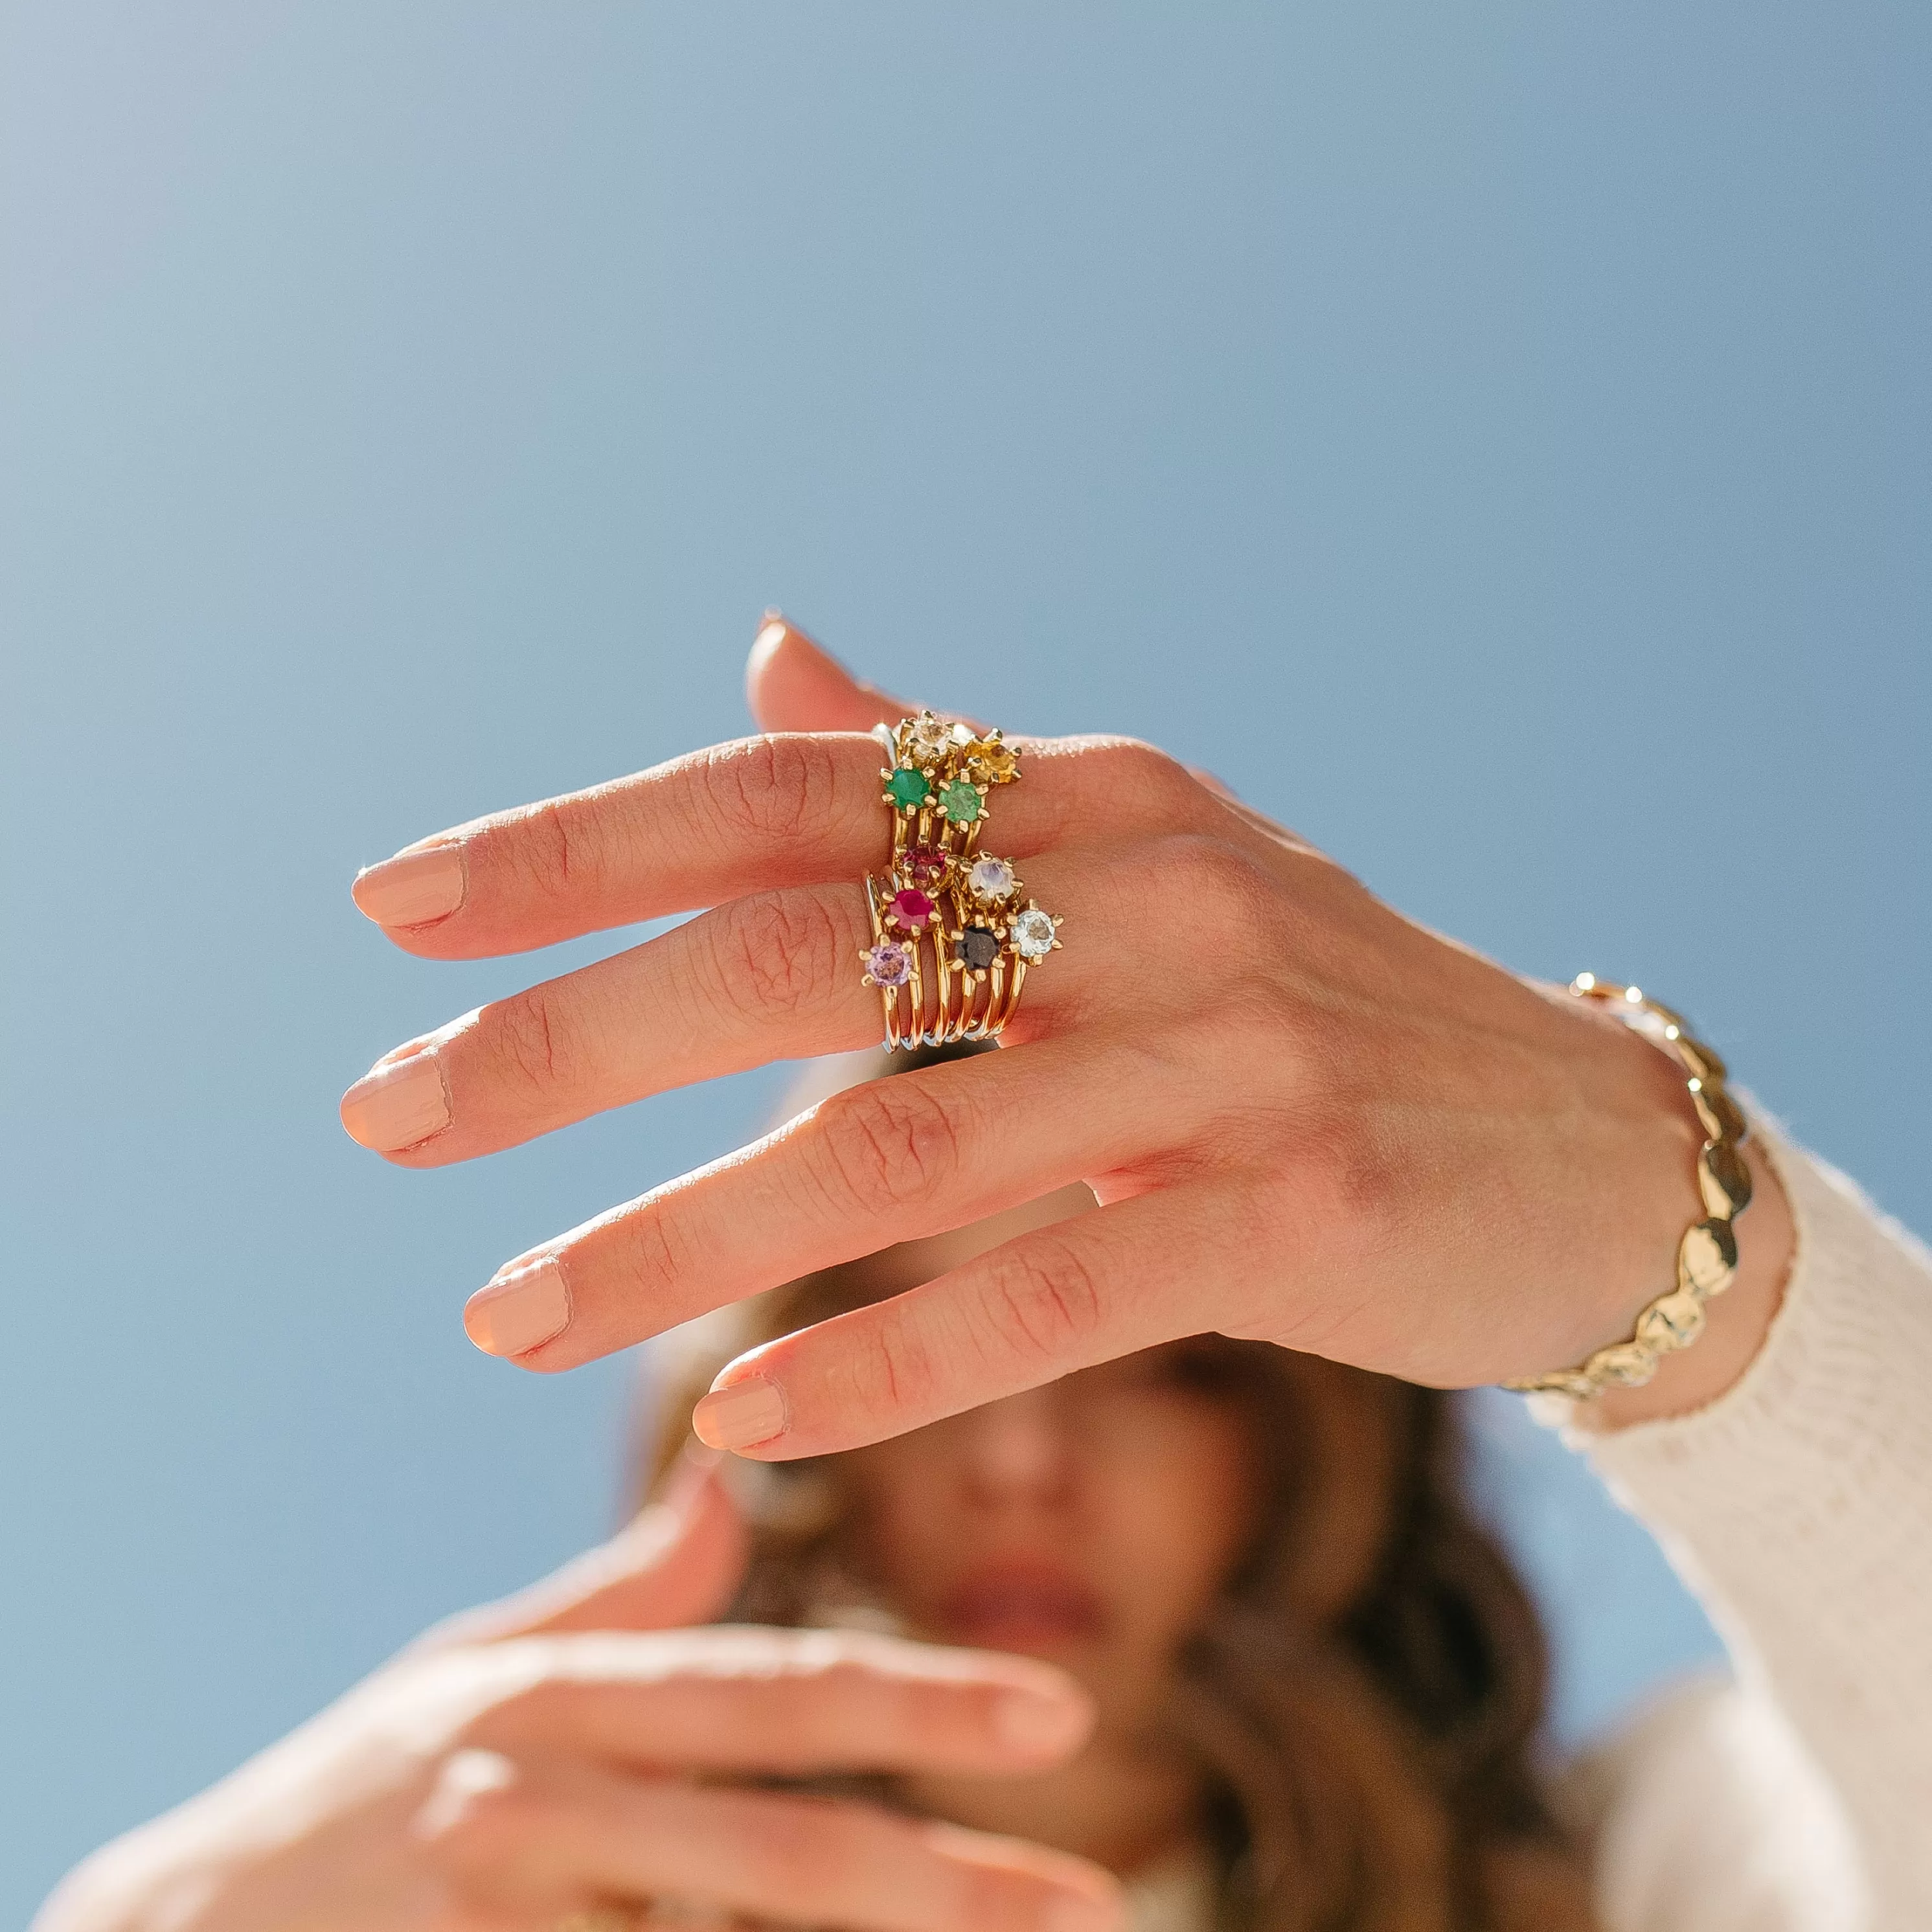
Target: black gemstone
pixel 977 949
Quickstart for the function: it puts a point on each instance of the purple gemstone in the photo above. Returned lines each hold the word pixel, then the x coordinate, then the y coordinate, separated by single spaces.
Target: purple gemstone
pixel 889 965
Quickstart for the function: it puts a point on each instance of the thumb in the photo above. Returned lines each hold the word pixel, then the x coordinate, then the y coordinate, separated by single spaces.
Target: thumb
pixel 678 1561
pixel 793 686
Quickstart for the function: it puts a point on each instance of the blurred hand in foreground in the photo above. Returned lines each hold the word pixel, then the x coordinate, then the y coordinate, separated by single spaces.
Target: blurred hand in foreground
pixel 572 1749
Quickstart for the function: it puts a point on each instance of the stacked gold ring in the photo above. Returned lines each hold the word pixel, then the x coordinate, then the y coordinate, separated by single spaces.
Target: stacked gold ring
pixel 1707 1255
pixel 953 933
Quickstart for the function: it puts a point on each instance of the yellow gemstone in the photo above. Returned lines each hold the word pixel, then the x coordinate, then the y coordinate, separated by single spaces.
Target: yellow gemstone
pixel 989 762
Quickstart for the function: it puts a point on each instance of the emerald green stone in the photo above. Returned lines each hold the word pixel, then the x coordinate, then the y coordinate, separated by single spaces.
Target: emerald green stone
pixel 960 802
pixel 908 787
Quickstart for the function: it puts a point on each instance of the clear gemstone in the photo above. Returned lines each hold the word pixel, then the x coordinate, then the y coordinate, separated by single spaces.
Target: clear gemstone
pixel 930 735
pixel 1033 933
pixel 990 878
pixel 889 964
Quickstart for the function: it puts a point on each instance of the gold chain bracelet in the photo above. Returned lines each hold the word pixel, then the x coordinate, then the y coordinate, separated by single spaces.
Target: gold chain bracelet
pixel 1707 1256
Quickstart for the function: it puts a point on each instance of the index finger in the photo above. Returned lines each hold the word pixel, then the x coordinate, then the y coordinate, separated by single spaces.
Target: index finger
pixel 789 1701
pixel 786 808
pixel 789 808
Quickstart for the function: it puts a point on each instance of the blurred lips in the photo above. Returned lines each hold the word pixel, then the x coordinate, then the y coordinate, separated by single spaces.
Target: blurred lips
pixel 1021 1605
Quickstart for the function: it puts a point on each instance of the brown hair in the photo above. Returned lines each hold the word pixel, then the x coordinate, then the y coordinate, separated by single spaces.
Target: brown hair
pixel 1364 1696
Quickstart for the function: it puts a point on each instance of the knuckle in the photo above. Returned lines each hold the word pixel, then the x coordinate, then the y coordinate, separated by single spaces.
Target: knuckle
pixel 776 953
pixel 483 1812
pixel 551 851
pixel 901 1373
pixel 769 788
pixel 531 1038
pixel 1211 873
pixel 1353 1169
pixel 805 1847
pixel 657 1253
pixel 1145 776
pixel 1046 1300
pixel 887 1144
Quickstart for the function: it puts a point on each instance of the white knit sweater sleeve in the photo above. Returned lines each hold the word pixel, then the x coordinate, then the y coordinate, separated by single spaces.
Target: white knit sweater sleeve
pixel 1799 1507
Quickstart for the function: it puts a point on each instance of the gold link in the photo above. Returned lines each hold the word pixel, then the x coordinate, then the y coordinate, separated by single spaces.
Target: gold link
pixel 1724 1178
pixel 1707 1255
pixel 1717 1110
pixel 1674 1322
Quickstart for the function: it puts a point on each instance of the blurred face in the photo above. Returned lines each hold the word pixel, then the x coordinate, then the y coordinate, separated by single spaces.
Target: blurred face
pixel 1092 1522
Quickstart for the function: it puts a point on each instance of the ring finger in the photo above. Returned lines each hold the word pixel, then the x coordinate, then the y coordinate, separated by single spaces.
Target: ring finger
pixel 892 1160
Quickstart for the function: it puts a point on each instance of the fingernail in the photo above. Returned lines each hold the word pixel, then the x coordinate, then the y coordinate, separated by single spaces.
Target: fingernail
pixel 520 1310
pixel 397 1105
pixel 412 888
pixel 748 1412
pixel 1040 1727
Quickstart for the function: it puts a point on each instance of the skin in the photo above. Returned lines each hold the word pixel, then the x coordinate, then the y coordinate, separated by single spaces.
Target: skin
pixel 1090 1524
pixel 567 1747
pixel 565 1750
pixel 1352 1137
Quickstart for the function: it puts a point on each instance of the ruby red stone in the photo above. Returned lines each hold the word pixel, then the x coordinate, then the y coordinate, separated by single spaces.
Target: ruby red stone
pixel 926 862
pixel 911 908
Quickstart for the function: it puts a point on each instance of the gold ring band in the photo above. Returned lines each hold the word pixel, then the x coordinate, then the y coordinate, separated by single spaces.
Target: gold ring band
pixel 952 934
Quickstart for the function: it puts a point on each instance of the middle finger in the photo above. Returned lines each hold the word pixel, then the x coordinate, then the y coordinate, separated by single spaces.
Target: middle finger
pixel 775 976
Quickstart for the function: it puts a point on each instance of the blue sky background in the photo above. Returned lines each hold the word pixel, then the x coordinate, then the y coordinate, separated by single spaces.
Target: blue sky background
pixel 1494 439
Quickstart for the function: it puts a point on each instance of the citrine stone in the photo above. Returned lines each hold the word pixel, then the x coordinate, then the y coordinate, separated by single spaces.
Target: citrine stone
pixel 909 787
pixel 961 802
pixel 977 949
pixel 991 762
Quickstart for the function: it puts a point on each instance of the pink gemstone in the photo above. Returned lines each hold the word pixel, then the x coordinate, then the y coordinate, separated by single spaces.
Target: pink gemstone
pixel 911 908
pixel 889 965
pixel 924 862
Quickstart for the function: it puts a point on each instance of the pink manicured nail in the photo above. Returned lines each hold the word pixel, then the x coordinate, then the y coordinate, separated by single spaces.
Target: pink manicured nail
pixel 412 888
pixel 397 1105
pixel 748 1412
pixel 522 1308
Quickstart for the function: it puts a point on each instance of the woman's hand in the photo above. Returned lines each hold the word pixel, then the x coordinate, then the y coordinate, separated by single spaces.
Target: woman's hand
pixel 565 1751
pixel 1305 1118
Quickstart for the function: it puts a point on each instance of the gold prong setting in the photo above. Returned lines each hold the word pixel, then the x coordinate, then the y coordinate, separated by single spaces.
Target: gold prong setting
pixel 954 933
